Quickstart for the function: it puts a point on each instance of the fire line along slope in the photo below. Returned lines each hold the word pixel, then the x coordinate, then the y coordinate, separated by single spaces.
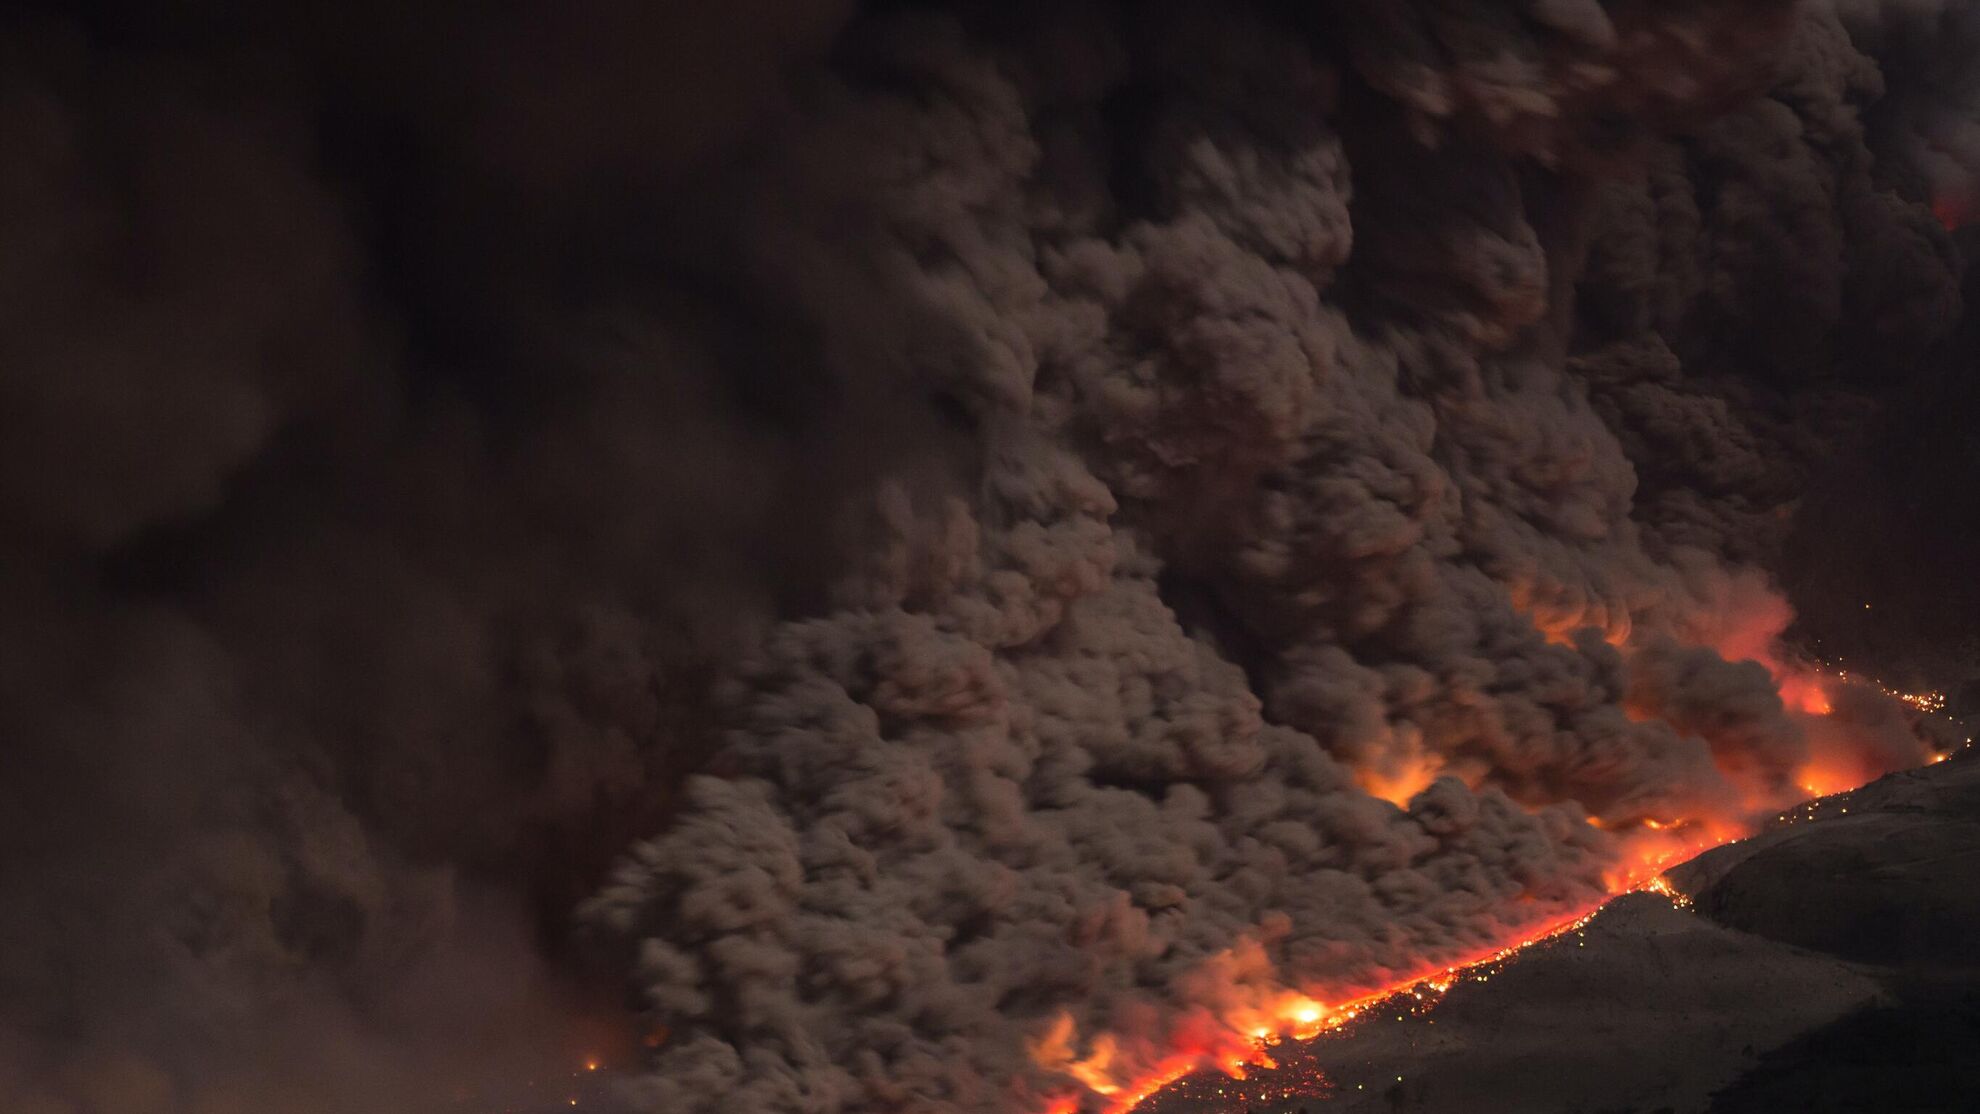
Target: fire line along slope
pixel 1824 964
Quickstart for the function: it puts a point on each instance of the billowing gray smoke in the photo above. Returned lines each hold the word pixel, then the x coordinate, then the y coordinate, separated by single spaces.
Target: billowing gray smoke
pixel 1304 459
pixel 1053 473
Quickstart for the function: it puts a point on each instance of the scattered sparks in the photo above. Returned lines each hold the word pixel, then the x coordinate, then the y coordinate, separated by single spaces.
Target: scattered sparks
pixel 1932 702
pixel 1400 780
pixel 575 1089
pixel 1661 886
pixel 1258 1048
pixel 1298 1019
pixel 1112 1080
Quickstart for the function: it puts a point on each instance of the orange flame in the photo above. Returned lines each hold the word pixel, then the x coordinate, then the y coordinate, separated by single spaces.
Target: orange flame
pixel 1111 1074
pixel 1295 1016
pixel 1243 1040
pixel 1804 694
pixel 1398 782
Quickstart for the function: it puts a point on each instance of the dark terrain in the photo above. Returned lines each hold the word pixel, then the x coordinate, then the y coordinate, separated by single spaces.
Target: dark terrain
pixel 1826 964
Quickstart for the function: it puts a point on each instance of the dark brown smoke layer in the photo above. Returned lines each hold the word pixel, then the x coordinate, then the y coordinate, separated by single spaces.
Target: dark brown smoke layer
pixel 379 491
pixel 1881 561
pixel 1360 397
pixel 1057 473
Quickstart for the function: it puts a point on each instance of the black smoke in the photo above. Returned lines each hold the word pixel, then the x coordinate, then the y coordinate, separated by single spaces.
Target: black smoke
pixel 980 493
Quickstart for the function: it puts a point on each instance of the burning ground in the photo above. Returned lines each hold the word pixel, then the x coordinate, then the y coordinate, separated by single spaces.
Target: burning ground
pixel 933 557
pixel 1824 964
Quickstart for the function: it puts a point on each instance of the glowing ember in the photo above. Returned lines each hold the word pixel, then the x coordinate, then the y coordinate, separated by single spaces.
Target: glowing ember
pixel 1922 701
pixel 1107 1074
pixel 1818 781
pixel 1296 1018
pixel 1399 782
pixel 1806 695
pixel 1661 886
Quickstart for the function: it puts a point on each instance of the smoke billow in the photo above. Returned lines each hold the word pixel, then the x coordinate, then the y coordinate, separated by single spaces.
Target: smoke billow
pixel 1026 532
pixel 365 559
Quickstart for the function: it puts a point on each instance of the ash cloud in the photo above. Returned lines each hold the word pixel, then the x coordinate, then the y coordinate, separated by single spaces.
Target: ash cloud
pixel 1311 453
pixel 986 498
pixel 1906 501
pixel 365 558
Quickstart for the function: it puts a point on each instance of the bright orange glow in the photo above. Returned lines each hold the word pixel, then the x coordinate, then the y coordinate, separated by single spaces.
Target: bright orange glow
pixel 1811 692
pixel 1235 1051
pixel 1818 780
pixel 1114 1072
pixel 1803 692
pixel 1055 1051
pixel 1400 781
pixel 1110 1084
pixel 1559 619
pixel 1661 886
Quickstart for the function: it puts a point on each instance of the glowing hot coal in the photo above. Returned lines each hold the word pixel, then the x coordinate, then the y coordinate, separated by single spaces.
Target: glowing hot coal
pixel 1110 1072
pixel 1248 1042
pixel 1109 1081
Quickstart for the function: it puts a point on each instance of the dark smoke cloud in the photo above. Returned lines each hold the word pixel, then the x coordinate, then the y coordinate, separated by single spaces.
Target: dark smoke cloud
pixel 363 562
pixel 1888 586
pixel 1042 468
pixel 1309 454
pixel 1924 119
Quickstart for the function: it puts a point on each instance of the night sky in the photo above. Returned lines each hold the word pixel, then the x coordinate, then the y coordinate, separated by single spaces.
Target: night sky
pixel 952 558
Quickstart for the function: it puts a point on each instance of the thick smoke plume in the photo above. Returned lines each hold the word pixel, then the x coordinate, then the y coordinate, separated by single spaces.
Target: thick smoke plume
pixel 1028 533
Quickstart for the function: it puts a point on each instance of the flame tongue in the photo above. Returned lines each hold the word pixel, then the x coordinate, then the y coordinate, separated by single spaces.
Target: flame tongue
pixel 1399 781
pixel 1114 1074
pixel 1297 1017
pixel 1246 1042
